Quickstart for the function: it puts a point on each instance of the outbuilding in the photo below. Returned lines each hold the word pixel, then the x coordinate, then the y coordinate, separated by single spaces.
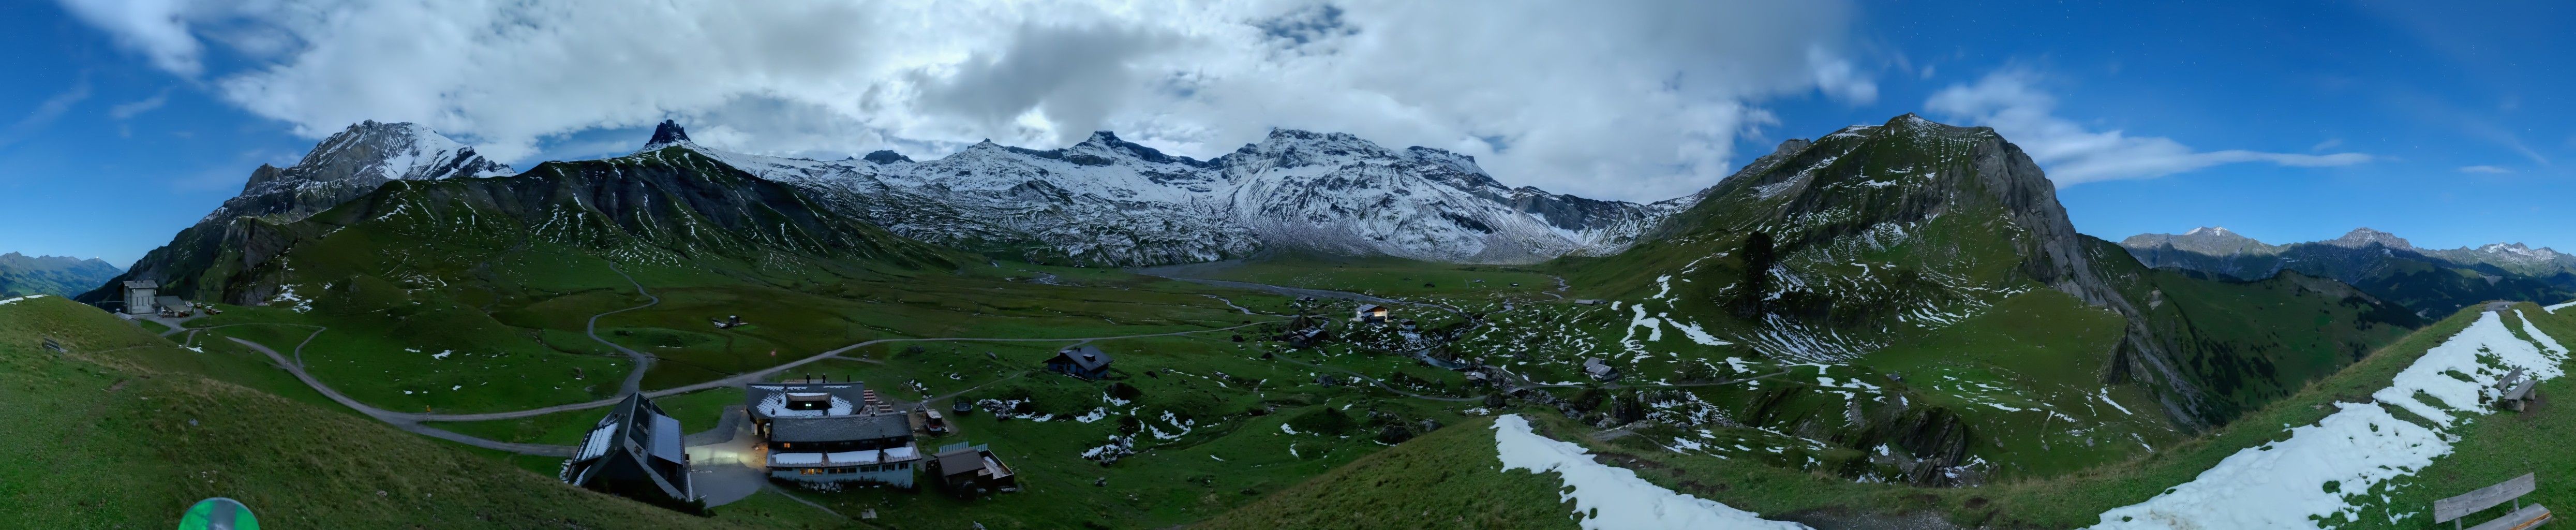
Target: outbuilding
pixel 1371 313
pixel 1085 361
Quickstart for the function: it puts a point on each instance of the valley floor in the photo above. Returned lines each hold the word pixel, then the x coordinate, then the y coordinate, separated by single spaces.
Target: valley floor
pixel 1229 429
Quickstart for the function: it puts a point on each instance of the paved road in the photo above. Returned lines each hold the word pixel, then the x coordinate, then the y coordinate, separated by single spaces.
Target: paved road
pixel 635 378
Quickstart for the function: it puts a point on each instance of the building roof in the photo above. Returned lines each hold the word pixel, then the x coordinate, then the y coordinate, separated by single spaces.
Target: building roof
pixel 142 284
pixel 1087 357
pixel 654 447
pixel 172 302
pixel 769 400
pixel 839 428
pixel 959 461
pixel 1371 307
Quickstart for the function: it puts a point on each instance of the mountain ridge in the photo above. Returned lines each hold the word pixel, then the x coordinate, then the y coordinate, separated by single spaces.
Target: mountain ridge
pixel 339 168
pixel 1109 201
pixel 2429 281
pixel 21 274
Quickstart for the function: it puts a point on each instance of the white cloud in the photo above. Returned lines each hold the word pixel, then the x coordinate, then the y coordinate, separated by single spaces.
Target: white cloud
pixel 2485 169
pixel 46 112
pixel 156 28
pixel 2007 101
pixel 132 108
pixel 1640 100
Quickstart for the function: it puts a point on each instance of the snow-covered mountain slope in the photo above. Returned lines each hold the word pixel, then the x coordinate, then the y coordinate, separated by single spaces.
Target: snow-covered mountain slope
pixel 351 163
pixel 342 167
pixel 1113 202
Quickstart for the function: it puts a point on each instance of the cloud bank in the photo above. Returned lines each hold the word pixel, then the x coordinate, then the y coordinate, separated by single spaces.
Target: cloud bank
pixel 2007 101
pixel 1629 100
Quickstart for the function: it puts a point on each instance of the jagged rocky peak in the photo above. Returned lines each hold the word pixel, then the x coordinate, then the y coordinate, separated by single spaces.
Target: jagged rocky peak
pixel 2364 237
pixel 667 134
pixel 882 157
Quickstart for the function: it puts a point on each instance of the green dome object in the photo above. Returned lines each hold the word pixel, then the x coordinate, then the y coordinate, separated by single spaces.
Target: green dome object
pixel 218 514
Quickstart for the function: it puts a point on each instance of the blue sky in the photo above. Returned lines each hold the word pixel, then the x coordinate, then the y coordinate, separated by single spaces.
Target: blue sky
pixel 2285 121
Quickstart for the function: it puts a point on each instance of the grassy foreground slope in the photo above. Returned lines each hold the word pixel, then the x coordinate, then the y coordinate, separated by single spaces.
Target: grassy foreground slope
pixel 1374 492
pixel 1451 478
pixel 97 440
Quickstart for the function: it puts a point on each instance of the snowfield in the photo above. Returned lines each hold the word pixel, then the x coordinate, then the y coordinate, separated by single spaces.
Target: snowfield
pixel 2284 484
pixel 1615 497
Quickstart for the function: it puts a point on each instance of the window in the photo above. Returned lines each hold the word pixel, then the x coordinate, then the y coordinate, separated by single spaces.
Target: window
pixel 810 471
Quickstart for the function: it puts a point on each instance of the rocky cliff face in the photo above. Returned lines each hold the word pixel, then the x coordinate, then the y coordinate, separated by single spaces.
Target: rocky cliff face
pixel 1109 201
pixel 342 167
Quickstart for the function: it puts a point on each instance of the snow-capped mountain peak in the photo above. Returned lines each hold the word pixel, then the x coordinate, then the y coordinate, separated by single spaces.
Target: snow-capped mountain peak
pixel 2522 252
pixel 352 162
pixel 667 134
pixel 1110 201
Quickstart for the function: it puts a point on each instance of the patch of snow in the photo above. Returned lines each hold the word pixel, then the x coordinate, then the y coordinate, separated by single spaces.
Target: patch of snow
pixel 442 355
pixel 1698 334
pixel 2106 398
pixel 15 300
pixel 1613 497
pixel 2282 484
pixel 2554 309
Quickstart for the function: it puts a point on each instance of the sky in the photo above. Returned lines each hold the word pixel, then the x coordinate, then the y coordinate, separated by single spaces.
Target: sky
pixel 126 121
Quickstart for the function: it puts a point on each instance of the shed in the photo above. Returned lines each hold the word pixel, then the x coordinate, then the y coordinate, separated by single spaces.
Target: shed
pixel 1594 367
pixel 1370 313
pixel 1086 362
pixel 173 306
pixel 970 471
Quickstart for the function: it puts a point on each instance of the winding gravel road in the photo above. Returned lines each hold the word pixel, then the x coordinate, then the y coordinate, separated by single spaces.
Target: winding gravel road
pixel 643 361
pixel 411 421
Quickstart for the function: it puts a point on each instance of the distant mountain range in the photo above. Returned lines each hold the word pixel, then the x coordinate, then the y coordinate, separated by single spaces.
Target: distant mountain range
pixel 22 275
pixel 2432 282
pixel 1113 202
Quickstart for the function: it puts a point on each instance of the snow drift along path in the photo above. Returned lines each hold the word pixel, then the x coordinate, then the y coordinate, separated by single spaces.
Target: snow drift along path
pixel 1615 497
pixel 2284 484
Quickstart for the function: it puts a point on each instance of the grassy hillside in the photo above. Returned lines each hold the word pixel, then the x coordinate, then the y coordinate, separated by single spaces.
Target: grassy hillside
pixel 1450 478
pixel 100 438
pixel 1374 489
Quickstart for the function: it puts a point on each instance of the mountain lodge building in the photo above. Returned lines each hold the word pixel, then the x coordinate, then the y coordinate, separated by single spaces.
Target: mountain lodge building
pixel 831 433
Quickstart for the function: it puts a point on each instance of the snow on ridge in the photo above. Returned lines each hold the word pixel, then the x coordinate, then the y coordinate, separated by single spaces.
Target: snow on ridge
pixel 2554 309
pixel 1107 200
pixel 2282 484
pixel 1614 497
